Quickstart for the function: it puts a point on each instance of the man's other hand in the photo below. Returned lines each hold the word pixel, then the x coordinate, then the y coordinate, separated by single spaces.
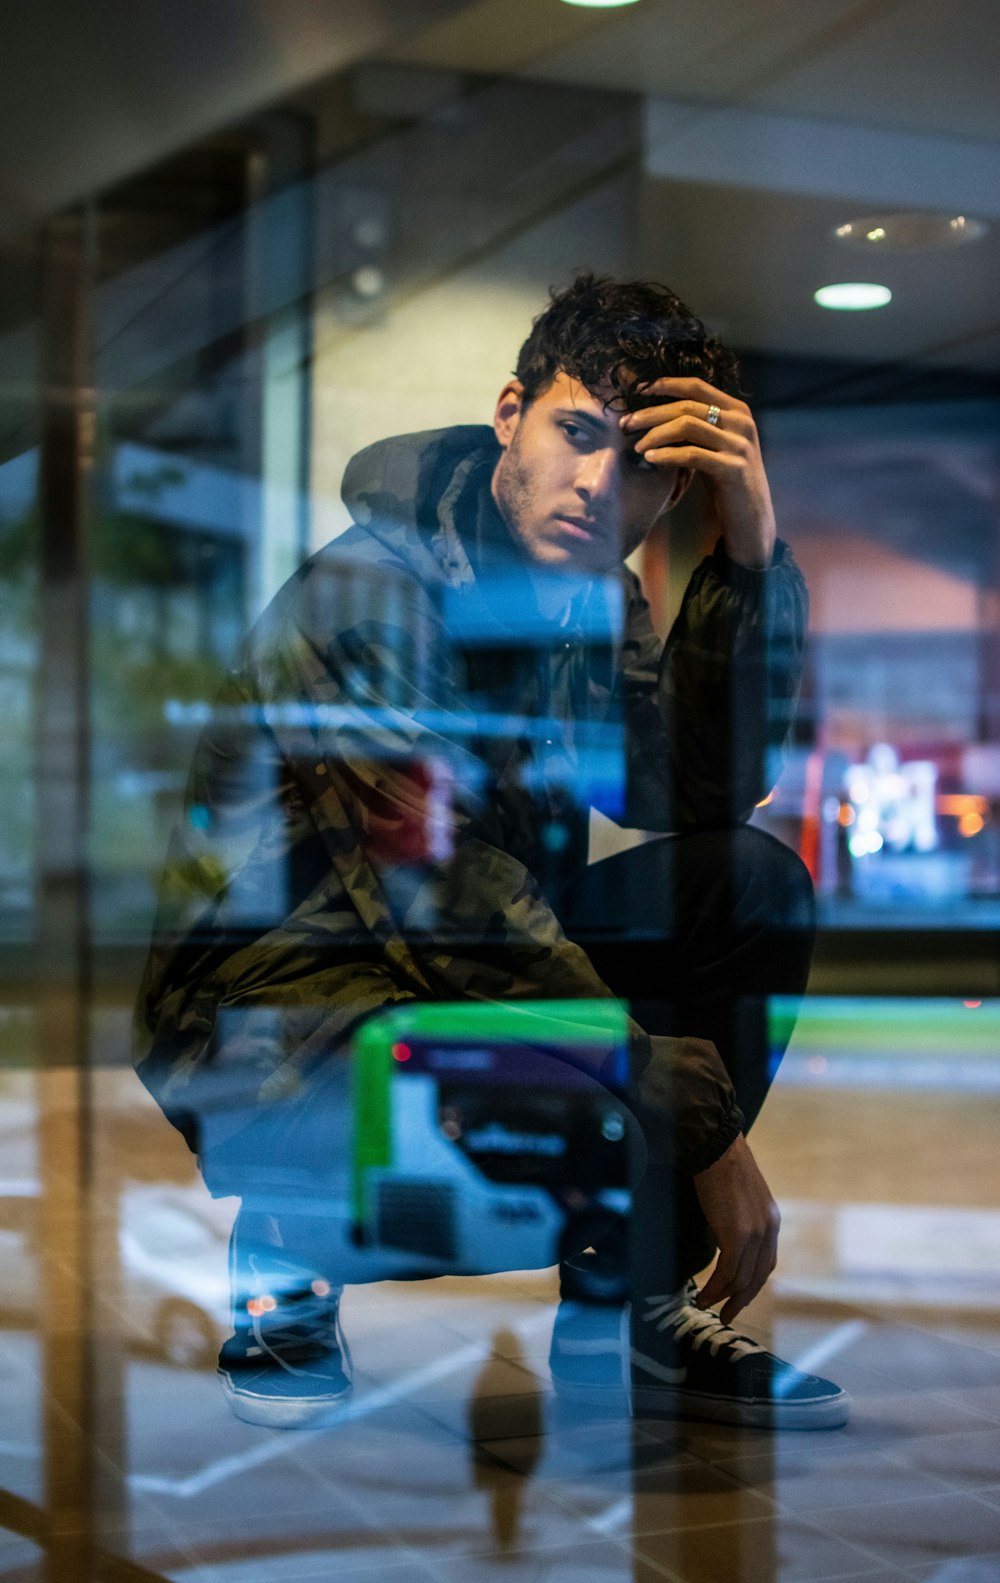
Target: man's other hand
pixel 713 434
pixel 743 1217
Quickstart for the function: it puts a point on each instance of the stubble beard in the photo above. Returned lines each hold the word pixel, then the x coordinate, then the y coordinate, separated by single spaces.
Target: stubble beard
pixel 513 494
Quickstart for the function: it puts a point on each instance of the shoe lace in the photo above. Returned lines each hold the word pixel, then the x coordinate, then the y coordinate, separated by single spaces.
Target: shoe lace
pixel 301 1329
pixel 676 1311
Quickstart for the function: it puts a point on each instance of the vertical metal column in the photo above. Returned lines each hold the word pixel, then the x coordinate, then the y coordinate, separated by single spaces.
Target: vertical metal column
pixel 66 1320
pixel 278 268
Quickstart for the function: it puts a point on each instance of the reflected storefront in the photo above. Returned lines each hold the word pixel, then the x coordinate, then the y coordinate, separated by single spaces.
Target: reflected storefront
pixel 409 849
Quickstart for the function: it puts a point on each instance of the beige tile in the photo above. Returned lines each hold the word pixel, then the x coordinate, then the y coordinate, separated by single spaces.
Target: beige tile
pixel 627 1488
pixel 928 1528
pixel 805 1484
pixel 582 1563
pixel 22 1470
pixel 666 1496
pixel 577 1451
pixel 394 1351
pixel 889 1422
pixel 955 1569
pixel 964 1330
pixel 493 1507
pixel 21 1557
pixel 963 1460
pixel 769 1550
pixel 501 1415
pixel 918 1360
pixel 720 1443
pixel 473 1381
pixel 979 1399
pixel 262 1528
pixel 161 1556
pixel 319 1565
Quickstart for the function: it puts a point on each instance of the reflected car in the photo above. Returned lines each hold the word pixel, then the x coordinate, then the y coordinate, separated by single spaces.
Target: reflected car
pixel 174 1264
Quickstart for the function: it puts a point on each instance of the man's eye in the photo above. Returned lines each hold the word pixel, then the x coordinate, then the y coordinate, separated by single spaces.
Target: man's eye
pixel 573 430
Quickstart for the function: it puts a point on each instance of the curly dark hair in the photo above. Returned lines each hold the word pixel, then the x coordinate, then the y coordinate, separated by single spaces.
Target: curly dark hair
pixel 600 329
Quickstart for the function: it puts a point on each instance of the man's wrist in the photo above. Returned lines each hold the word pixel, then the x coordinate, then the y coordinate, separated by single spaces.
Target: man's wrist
pixel 739 570
pixel 756 554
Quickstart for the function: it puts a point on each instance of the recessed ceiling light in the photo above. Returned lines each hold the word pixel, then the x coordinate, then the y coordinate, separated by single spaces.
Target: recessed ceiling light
pixel 901 233
pixel 853 296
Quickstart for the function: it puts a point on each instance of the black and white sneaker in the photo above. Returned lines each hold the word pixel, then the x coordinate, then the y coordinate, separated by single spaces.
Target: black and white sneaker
pixel 287 1364
pixel 687 1363
pixel 683 1362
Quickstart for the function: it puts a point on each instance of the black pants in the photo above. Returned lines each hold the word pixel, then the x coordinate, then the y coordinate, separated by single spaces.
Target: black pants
pixel 696 932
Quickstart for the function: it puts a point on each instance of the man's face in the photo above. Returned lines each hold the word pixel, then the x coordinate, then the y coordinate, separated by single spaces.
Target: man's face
pixel 569 484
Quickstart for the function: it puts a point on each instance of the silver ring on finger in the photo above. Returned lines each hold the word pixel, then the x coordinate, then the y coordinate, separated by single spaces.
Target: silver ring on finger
pixel 713 414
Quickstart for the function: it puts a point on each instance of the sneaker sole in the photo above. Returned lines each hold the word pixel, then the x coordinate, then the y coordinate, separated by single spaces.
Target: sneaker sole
pixel 831 1412
pixel 265 1411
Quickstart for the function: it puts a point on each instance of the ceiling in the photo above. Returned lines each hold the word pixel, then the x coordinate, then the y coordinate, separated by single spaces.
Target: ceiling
pixel 765 123
pixel 99 90
pixel 913 64
pixel 768 122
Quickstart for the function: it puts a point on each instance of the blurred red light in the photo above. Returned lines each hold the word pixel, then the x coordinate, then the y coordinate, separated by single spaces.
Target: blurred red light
pixel 401 1052
pixel 972 1005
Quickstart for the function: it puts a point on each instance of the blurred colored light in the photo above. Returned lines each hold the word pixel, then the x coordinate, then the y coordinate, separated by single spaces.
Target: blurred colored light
pixel 970 824
pixel 959 803
pixel 596 3
pixel 321 1288
pixel 972 1005
pixel 846 814
pixel 853 296
pixel 261 1305
pixel 401 1052
pixel 911 230
pixel 368 281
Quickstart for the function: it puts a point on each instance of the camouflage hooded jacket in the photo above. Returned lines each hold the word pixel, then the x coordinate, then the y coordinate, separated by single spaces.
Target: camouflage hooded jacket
pixel 396 780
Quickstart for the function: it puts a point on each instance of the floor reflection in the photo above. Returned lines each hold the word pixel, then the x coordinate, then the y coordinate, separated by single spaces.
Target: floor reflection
pixel 455 1460
pixel 503 1484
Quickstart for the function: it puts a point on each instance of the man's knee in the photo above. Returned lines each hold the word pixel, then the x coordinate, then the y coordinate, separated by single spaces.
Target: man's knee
pixel 774 879
pixel 745 878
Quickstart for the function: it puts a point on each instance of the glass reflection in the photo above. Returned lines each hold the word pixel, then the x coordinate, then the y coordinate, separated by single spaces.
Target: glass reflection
pixel 194 361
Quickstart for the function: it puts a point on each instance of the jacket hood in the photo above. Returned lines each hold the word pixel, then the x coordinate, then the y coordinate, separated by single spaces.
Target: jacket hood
pixel 407 493
pixel 426 498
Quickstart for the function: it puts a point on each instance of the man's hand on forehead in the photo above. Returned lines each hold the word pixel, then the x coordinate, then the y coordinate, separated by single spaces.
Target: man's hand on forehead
pixel 688 423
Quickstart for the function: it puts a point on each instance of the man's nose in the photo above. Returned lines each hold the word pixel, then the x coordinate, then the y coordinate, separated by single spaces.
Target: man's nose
pixel 597 476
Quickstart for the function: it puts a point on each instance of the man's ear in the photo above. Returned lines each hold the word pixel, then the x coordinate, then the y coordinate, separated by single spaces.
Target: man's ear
pixel 682 483
pixel 508 412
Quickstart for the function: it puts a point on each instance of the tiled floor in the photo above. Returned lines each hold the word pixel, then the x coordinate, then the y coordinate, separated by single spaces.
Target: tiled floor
pixel 455 1461
pixel 910 1488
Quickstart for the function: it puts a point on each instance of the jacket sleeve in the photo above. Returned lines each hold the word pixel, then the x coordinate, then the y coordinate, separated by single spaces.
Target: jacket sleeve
pixel 707 713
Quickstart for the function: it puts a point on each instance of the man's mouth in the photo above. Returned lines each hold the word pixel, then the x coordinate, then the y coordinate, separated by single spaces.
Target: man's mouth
pixel 580 527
